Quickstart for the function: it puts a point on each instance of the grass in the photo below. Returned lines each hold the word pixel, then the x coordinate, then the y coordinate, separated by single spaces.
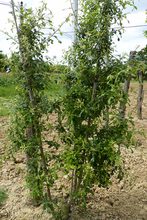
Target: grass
pixel 3 196
pixel 5 106
pixel 55 90
pixel 7 93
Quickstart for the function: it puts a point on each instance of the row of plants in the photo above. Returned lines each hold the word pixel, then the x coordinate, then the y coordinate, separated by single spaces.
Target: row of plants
pixel 89 128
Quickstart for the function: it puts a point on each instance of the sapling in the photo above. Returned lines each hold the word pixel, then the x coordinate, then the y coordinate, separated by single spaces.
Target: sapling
pixel 90 125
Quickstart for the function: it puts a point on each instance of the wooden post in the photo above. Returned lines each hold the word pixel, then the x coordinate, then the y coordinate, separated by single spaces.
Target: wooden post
pixel 125 90
pixel 125 93
pixel 140 94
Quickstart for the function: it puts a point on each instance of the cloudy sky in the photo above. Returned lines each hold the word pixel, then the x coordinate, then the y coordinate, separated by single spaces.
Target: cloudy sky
pixel 132 37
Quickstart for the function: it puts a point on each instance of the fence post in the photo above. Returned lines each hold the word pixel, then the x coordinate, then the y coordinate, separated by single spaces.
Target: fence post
pixel 140 94
pixel 125 90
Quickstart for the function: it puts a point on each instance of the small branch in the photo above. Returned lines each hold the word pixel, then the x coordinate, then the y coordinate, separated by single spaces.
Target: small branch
pixel 44 165
pixel 52 35
pixel 6 33
pixel 15 19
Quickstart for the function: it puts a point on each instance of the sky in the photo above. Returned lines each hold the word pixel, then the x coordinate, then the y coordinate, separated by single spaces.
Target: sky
pixel 131 39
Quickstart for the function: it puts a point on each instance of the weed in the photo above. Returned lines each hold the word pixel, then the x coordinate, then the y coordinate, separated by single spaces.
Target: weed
pixel 3 196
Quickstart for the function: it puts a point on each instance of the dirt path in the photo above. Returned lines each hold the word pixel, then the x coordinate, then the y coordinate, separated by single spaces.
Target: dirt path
pixel 124 200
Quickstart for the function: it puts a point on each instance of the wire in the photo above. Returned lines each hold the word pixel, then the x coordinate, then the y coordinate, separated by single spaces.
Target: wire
pixel 68 36
pixel 64 9
pixel 125 27
pixel 7 4
pixel 61 36
pixel 133 26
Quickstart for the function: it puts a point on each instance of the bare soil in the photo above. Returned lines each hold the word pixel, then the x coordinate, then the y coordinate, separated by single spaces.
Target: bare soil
pixel 124 200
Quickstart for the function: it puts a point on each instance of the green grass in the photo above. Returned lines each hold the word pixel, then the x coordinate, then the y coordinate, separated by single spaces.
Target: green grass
pixel 7 79
pixel 7 93
pixel 5 106
pixel 3 196
pixel 55 90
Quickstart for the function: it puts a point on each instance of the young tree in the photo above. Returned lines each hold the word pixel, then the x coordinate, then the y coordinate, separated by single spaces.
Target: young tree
pixel 28 123
pixel 93 90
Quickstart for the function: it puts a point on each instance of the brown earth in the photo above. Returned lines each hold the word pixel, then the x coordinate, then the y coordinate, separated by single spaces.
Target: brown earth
pixel 124 200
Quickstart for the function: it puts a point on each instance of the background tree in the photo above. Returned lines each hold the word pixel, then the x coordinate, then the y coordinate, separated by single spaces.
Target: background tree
pixel 4 62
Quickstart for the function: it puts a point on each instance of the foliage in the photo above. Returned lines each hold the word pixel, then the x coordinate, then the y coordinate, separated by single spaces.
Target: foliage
pixel 57 69
pixel 139 62
pixel 13 61
pixel 141 58
pixel 89 119
pixel 56 75
pixel 3 62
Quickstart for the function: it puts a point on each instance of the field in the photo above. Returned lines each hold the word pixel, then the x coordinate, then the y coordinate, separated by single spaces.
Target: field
pixel 123 200
pixel 7 93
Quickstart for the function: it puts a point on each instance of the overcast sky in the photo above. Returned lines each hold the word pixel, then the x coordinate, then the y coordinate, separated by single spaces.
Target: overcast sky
pixel 132 37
